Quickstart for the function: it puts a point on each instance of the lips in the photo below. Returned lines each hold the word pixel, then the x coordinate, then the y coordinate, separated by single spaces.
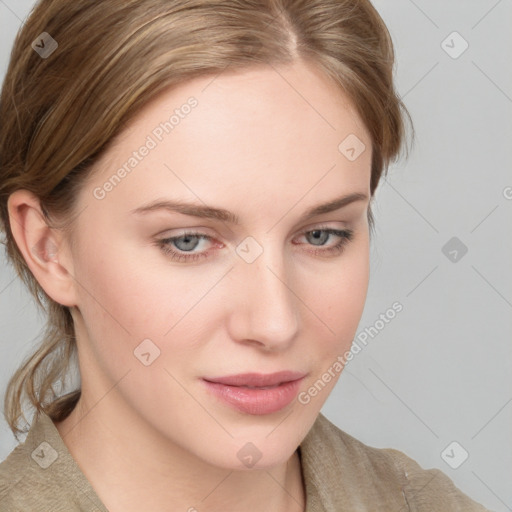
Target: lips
pixel 256 393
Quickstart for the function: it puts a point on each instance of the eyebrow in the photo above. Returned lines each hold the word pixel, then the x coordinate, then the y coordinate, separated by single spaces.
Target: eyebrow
pixel 210 212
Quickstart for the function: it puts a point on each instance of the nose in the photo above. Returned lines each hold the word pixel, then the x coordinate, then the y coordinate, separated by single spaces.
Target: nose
pixel 265 307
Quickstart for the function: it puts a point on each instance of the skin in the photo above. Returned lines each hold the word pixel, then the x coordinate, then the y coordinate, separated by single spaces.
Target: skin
pixel 263 143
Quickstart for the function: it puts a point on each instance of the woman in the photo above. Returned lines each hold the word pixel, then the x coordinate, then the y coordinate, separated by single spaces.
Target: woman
pixel 185 189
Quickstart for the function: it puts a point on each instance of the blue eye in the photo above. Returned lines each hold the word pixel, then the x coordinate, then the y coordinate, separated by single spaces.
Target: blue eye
pixel 185 241
pixel 189 241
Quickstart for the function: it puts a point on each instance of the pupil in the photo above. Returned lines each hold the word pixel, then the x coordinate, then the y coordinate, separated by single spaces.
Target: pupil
pixel 186 239
pixel 317 234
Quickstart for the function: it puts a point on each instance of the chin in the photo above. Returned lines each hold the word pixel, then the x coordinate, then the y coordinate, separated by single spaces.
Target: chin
pixel 249 455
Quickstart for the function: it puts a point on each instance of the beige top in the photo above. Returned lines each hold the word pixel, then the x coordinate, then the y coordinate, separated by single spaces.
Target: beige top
pixel 340 474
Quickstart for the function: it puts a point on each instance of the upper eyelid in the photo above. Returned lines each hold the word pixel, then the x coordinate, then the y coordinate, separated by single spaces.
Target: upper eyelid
pixel 206 231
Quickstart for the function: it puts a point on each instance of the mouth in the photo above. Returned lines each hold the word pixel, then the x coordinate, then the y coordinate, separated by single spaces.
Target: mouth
pixel 257 380
pixel 254 393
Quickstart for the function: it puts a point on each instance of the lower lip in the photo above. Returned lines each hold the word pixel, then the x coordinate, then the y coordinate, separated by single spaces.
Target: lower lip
pixel 256 401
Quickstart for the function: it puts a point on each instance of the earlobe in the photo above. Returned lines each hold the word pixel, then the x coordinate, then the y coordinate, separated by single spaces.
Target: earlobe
pixel 42 247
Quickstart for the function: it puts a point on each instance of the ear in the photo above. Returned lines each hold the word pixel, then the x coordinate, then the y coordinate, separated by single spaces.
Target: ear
pixel 43 248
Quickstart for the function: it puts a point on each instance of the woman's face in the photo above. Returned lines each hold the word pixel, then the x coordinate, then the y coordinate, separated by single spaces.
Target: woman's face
pixel 268 294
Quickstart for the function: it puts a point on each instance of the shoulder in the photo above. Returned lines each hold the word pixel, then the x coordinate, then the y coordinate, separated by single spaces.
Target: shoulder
pixel 20 483
pixel 11 472
pixel 376 476
pixel 26 485
pixel 40 475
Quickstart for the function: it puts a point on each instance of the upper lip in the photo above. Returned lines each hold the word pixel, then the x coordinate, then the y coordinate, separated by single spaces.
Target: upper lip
pixel 257 379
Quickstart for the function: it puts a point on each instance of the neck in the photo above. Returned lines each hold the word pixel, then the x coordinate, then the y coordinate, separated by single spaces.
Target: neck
pixel 115 448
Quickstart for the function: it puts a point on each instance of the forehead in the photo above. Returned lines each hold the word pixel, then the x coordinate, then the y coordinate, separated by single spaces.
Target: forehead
pixel 257 140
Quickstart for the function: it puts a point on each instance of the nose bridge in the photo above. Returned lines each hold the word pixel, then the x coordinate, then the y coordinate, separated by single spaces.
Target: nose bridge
pixel 267 290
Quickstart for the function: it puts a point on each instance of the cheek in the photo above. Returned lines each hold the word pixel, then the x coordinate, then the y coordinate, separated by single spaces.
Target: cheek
pixel 130 295
pixel 338 303
pixel 119 303
pixel 339 295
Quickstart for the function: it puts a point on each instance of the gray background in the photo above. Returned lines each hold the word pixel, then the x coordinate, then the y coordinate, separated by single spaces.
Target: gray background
pixel 441 370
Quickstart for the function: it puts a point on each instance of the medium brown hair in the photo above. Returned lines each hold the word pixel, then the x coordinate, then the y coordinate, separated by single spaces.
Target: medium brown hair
pixel 60 113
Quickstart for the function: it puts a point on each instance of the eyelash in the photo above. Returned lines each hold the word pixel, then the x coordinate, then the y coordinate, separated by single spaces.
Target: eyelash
pixel 346 235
